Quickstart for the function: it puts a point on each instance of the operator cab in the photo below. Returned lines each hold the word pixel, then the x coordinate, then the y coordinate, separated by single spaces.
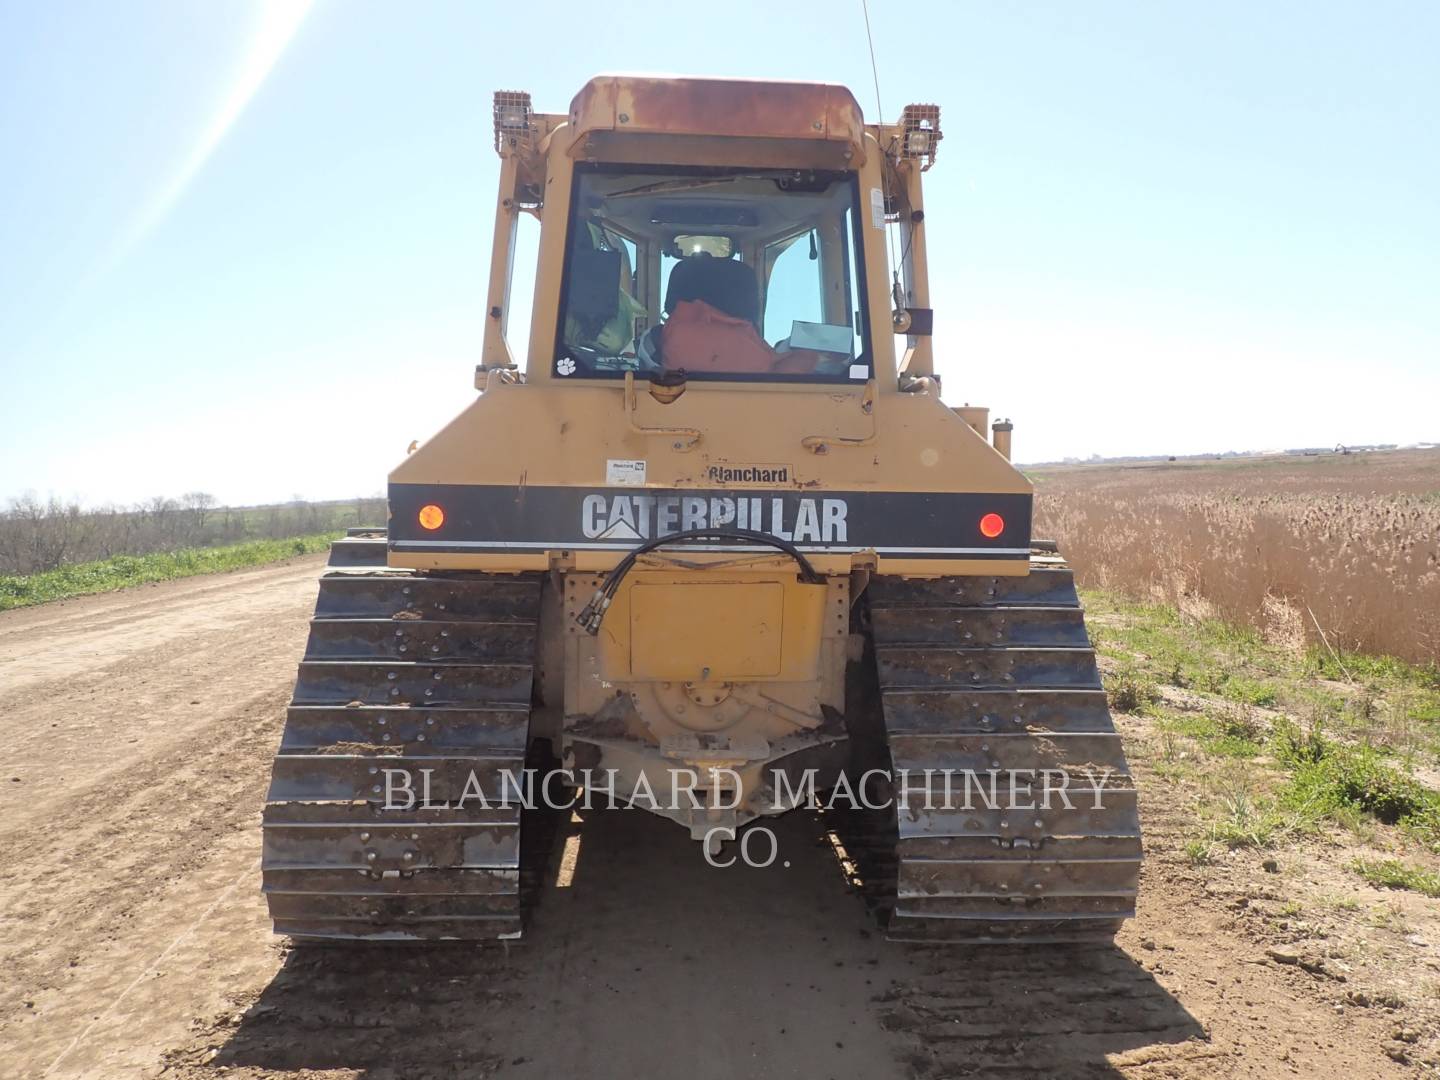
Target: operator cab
pixel 716 273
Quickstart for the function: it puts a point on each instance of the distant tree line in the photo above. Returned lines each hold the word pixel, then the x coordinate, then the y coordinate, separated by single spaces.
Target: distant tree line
pixel 42 534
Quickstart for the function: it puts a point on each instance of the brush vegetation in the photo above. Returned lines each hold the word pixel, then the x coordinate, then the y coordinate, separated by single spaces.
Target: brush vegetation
pixel 37 535
pixel 123 571
pixel 1277 746
pixel 1336 552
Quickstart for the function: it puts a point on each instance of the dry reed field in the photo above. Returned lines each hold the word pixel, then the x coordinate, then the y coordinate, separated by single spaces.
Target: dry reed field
pixel 1347 544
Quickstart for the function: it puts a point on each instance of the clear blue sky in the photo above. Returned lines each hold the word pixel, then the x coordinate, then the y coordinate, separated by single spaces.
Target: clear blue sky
pixel 243 246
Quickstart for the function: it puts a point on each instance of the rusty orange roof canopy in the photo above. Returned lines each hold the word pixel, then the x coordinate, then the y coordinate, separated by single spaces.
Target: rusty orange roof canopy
pixel 740 108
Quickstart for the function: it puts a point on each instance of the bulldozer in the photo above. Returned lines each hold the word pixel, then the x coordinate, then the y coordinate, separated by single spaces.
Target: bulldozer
pixel 717 542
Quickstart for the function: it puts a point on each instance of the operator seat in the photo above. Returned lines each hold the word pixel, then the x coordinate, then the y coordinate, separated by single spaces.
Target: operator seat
pixel 727 285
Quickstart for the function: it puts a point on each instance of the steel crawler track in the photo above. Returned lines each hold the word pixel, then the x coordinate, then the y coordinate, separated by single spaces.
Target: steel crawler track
pixel 980 674
pixel 410 672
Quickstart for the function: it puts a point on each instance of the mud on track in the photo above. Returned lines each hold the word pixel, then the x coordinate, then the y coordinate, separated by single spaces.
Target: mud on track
pixel 139 728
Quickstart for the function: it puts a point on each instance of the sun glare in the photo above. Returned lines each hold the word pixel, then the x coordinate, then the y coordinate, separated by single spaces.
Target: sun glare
pixel 276 26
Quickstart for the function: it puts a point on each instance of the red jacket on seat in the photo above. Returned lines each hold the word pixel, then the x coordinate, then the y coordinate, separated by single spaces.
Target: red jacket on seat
pixel 698 337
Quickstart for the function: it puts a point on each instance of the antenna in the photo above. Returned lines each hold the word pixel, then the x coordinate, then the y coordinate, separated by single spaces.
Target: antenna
pixel 874 68
pixel 884 173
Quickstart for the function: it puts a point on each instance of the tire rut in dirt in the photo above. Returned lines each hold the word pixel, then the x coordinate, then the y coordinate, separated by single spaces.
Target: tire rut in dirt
pixel 1019 1010
pixel 70 907
pixel 387 1010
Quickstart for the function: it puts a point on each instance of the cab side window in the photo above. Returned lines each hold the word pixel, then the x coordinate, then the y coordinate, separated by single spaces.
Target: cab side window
pixel 794 288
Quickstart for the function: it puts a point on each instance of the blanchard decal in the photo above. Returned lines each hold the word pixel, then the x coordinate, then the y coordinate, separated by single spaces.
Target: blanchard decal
pixel 723 473
pixel 920 524
pixel 648 517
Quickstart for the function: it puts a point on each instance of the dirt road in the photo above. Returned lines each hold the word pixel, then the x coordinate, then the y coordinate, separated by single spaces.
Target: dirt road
pixel 134 941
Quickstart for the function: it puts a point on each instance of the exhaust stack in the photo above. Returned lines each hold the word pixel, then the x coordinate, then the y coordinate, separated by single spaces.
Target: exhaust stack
pixel 1000 435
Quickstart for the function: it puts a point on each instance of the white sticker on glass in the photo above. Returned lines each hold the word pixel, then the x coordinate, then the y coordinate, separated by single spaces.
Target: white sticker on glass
pixel 877 208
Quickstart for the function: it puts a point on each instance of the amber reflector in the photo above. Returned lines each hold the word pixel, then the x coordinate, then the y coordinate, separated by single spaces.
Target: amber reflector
pixel 991 525
pixel 432 517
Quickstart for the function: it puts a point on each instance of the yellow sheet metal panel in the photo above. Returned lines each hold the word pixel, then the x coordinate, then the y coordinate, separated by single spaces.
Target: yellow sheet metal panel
pixel 559 433
pixel 673 625
pixel 710 632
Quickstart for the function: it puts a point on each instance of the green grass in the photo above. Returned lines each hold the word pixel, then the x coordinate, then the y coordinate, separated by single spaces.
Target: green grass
pixel 1373 669
pixel 1247 691
pixel 1337 779
pixel 1231 733
pixel 1375 700
pixel 1199 852
pixel 123 571
pixel 1246 821
pixel 1277 752
pixel 1216 651
pixel 1129 691
pixel 1393 874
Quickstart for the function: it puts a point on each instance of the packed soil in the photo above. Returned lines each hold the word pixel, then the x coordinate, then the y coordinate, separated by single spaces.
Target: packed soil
pixel 134 940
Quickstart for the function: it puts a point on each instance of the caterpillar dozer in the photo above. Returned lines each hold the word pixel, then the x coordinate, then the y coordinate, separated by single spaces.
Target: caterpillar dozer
pixel 718 540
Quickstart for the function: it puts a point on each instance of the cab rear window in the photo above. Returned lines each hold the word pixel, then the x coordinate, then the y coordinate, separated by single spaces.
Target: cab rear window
pixel 716 273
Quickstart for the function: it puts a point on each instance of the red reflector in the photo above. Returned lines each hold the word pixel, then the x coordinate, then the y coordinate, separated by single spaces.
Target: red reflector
pixel 991 526
pixel 431 517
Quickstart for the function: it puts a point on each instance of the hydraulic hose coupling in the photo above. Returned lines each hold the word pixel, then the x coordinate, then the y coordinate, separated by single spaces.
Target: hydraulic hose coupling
pixel 593 612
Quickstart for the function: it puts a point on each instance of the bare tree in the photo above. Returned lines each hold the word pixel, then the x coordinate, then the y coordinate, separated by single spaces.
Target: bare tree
pixel 41 534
